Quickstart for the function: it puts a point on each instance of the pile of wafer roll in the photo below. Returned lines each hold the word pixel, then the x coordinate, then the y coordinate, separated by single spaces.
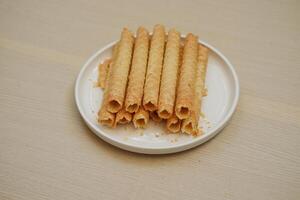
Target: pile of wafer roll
pixel 158 77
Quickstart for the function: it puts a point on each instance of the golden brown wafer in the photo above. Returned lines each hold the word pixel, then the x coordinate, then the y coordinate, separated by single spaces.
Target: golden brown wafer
pixel 186 84
pixel 120 71
pixel 123 117
pixel 141 118
pixel 138 71
pixel 202 60
pixel 169 75
pixel 155 62
pixel 173 124
pixel 103 70
pixel 105 117
pixel 190 125
pixel 154 116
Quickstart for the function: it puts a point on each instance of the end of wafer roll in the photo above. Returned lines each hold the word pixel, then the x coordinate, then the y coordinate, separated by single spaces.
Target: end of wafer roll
pixel 154 116
pixel 173 124
pixel 150 105
pixel 141 118
pixel 190 127
pixel 114 105
pixel 123 117
pixel 165 113
pixel 106 118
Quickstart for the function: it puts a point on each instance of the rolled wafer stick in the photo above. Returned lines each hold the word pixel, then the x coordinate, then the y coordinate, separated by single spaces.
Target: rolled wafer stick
pixel 141 118
pixel 190 125
pixel 169 75
pixel 138 71
pixel 123 117
pixel 120 71
pixel 202 64
pixel 187 78
pixel 173 124
pixel 154 116
pixel 155 62
pixel 105 117
pixel 103 70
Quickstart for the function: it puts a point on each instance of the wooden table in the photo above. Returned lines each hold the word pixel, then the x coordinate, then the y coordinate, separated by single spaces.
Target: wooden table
pixel 47 152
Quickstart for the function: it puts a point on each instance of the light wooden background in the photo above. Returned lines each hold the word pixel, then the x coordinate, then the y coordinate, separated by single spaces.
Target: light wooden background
pixel 47 152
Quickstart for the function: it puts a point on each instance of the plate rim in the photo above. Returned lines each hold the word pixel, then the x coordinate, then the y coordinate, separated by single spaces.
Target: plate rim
pixel 159 150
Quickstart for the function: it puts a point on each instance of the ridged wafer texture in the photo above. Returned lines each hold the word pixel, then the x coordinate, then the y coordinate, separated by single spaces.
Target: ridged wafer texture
pixel 105 117
pixel 190 125
pixel 202 64
pixel 120 71
pixel 187 78
pixel 173 124
pixel 169 75
pixel 138 71
pixel 155 62
pixel 103 71
pixel 123 117
pixel 141 118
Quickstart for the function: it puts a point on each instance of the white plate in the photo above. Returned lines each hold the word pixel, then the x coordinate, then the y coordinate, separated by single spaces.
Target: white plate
pixel 218 107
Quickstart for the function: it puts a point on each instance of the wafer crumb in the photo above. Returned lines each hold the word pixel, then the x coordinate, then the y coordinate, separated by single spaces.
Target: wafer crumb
pixel 205 92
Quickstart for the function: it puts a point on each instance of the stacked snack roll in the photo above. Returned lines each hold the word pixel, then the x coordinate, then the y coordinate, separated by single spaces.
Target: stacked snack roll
pixel 154 77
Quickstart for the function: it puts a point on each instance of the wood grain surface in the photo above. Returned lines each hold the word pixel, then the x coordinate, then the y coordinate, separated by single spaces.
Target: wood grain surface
pixel 47 152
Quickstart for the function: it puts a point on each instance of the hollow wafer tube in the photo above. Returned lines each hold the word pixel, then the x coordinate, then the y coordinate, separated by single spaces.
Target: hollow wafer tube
pixel 154 68
pixel 104 116
pixel 138 71
pixel 140 118
pixel 120 71
pixel 187 78
pixel 169 75
pixel 154 116
pixel 173 124
pixel 123 117
pixel 190 125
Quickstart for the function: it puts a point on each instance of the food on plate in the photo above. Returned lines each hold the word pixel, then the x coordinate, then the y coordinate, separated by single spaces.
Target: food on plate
pixel 135 88
pixel 104 116
pixel 186 81
pixel 169 75
pixel 154 68
pixel 161 77
pixel 123 117
pixel 173 124
pixel 190 125
pixel 141 118
pixel 120 71
pixel 154 116
pixel 103 70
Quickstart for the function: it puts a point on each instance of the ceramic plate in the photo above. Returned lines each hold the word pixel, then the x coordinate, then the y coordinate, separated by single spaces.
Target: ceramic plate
pixel 218 106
